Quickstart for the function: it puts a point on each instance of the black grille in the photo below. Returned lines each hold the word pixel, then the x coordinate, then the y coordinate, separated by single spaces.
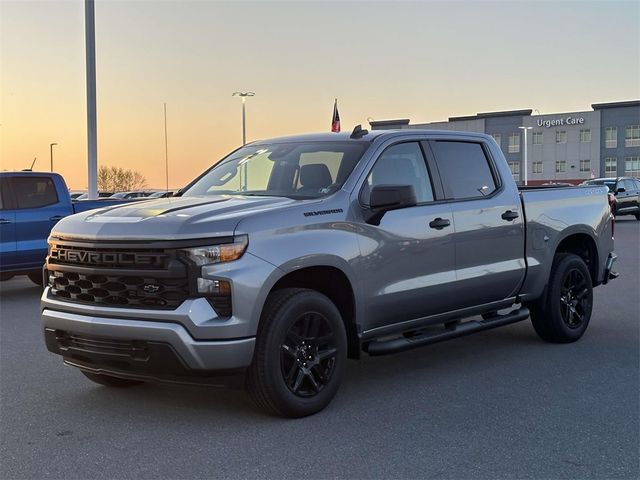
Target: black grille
pixel 118 290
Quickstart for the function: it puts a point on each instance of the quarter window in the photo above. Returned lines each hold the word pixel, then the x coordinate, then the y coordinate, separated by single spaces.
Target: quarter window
pixel 401 164
pixel 514 143
pixel 585 165
pixel 632 166
pixel 34 192
pixel 585 135
pixel 537 138
pixel 561 166
pixel 611 166
pixel 632 136
pixel 611 137
pixel 561 136
pixel 464 169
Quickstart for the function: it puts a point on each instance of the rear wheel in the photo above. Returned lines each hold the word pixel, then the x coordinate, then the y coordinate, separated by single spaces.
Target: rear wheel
pixel 109 381
pixel 563 315
pixel 300 353
pixel 638 216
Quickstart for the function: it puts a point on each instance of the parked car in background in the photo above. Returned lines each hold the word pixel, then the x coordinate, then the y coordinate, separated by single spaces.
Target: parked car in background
pixel 75 194
pixel 31 203
pixel 130 195
pixel 85 195
pixel 163 194
pixel 626 191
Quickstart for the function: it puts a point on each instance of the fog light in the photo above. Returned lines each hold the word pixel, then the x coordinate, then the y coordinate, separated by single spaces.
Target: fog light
pixel 213 287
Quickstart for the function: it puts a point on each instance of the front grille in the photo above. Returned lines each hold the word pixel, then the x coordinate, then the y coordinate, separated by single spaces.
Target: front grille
pixel 137 258
pixel 118 290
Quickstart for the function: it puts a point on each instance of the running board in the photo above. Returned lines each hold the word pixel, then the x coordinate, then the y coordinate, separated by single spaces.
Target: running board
pixel 420 339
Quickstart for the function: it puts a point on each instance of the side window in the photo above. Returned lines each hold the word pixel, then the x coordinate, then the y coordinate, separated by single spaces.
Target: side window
pixel 401 164
pixel 637 184
pixel 629 185
pixel 464 169
pixel 34 192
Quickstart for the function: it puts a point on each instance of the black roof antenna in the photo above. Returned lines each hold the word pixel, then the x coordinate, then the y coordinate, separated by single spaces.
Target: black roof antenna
pixel 358 132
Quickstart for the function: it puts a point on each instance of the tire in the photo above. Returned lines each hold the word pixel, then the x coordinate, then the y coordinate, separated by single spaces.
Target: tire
pixel 109 381
pixel 36 277
pixel 5 276
pixel 638 216
pixel 563 314
pixel 300 354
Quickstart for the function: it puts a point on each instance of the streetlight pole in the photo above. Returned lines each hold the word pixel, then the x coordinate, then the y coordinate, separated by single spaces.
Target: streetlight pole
pixel 243 96
pixel 51 145
pixel 525 152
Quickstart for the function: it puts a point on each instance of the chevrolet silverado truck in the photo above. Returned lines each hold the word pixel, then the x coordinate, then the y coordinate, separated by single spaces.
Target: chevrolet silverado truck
pixel 30 205
pixel 291 255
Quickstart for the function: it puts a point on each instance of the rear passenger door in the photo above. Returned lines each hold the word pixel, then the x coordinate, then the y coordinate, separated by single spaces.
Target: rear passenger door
pixel 489 228
pixel 7 226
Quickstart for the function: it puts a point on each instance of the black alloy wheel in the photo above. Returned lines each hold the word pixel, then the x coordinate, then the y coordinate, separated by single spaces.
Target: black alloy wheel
pixel 300 353
pixel 574 298
pixel 308 355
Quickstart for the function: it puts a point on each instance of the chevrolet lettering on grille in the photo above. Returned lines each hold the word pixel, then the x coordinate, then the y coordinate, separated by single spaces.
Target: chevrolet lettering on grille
pixel 61 255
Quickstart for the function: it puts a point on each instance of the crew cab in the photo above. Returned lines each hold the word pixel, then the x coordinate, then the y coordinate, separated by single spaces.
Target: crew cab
pixel 30 205
pixel 293 254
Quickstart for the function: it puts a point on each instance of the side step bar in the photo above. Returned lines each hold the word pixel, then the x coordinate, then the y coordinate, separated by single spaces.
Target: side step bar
pixel 400 344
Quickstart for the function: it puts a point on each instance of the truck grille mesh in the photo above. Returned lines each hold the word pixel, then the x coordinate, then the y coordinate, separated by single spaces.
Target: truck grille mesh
pixel 118 291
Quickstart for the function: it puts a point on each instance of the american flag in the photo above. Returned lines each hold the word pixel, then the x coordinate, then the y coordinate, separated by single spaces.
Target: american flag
pixel 335 121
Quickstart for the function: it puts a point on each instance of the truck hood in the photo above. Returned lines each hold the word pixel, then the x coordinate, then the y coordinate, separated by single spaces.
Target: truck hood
pixel 169 218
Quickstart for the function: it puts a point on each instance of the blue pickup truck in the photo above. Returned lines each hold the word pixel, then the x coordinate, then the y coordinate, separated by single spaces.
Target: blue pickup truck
pixel 31 203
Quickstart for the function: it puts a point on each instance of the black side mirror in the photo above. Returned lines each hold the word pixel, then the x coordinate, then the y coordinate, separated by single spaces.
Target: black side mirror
pixel 384 198
pixel 620 190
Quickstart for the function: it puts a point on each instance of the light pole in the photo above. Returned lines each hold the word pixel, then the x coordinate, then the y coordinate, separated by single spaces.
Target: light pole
pixel 525 152
pixel 51 145
pixel 243 96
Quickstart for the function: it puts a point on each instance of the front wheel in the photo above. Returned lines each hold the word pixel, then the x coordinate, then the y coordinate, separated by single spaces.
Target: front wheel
pixel 36 277
pixel 563 315
pixel 300 353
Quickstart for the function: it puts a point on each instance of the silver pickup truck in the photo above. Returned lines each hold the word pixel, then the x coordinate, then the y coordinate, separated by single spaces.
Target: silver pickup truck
pixel 293 254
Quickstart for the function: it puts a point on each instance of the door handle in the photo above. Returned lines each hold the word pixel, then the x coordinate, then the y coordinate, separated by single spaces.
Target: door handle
pixel 56 218
pixel 4 221
pixel 509 215
pixel 439 223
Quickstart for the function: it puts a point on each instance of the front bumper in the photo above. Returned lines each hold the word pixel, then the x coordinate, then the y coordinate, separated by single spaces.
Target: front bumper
pixel 146 350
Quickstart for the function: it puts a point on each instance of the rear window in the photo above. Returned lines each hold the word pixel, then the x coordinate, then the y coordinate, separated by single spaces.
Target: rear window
pixel 464 169
pixel 34 192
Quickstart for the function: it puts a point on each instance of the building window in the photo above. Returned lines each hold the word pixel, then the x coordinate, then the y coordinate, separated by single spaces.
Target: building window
pixel 585 165
pixel 632 166
pixel 515 170
pixel 611 137
pixel 537 138
pixel 561 136
pixel 585 135
pixel 514 143
pixel 536 167
pixel 611 166
pixel 632 136
pixel 498 138
pixel 561 166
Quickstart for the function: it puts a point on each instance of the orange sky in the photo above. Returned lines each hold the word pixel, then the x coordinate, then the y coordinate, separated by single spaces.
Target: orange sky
pixel 420 60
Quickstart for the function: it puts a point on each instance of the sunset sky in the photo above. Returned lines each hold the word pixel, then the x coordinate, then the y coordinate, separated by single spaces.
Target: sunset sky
pixel 420 60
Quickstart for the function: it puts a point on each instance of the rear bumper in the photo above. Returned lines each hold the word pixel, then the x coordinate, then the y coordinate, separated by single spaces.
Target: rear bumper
pixel 609 274
pixel 140 348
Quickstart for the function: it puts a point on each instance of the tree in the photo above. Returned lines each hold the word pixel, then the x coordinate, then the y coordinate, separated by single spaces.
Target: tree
pixel 116 179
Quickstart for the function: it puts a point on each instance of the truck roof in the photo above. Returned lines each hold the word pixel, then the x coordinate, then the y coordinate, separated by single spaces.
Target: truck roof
pixel 368 137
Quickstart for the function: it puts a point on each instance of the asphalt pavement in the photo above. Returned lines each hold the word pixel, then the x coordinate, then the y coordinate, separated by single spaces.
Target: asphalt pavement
pixel 499 404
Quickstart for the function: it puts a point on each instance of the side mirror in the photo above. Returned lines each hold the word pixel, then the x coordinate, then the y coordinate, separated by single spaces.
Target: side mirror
pixel 620 190
pixel 384 198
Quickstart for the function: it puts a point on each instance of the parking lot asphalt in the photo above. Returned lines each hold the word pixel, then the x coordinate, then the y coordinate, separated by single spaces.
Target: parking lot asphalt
pixel 499 404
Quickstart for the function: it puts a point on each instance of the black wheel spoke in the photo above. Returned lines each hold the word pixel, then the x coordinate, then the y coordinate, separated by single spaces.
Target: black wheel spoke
pixel 292 372
pixel 328 353
pixel 582 293
pixel 289 350
pixel 298 383
pixel 314 383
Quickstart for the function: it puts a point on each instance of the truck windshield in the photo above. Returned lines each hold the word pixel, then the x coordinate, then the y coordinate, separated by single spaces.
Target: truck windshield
pixel 295 170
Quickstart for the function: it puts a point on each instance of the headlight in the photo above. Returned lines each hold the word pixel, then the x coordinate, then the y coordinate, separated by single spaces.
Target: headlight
pixel 225 252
